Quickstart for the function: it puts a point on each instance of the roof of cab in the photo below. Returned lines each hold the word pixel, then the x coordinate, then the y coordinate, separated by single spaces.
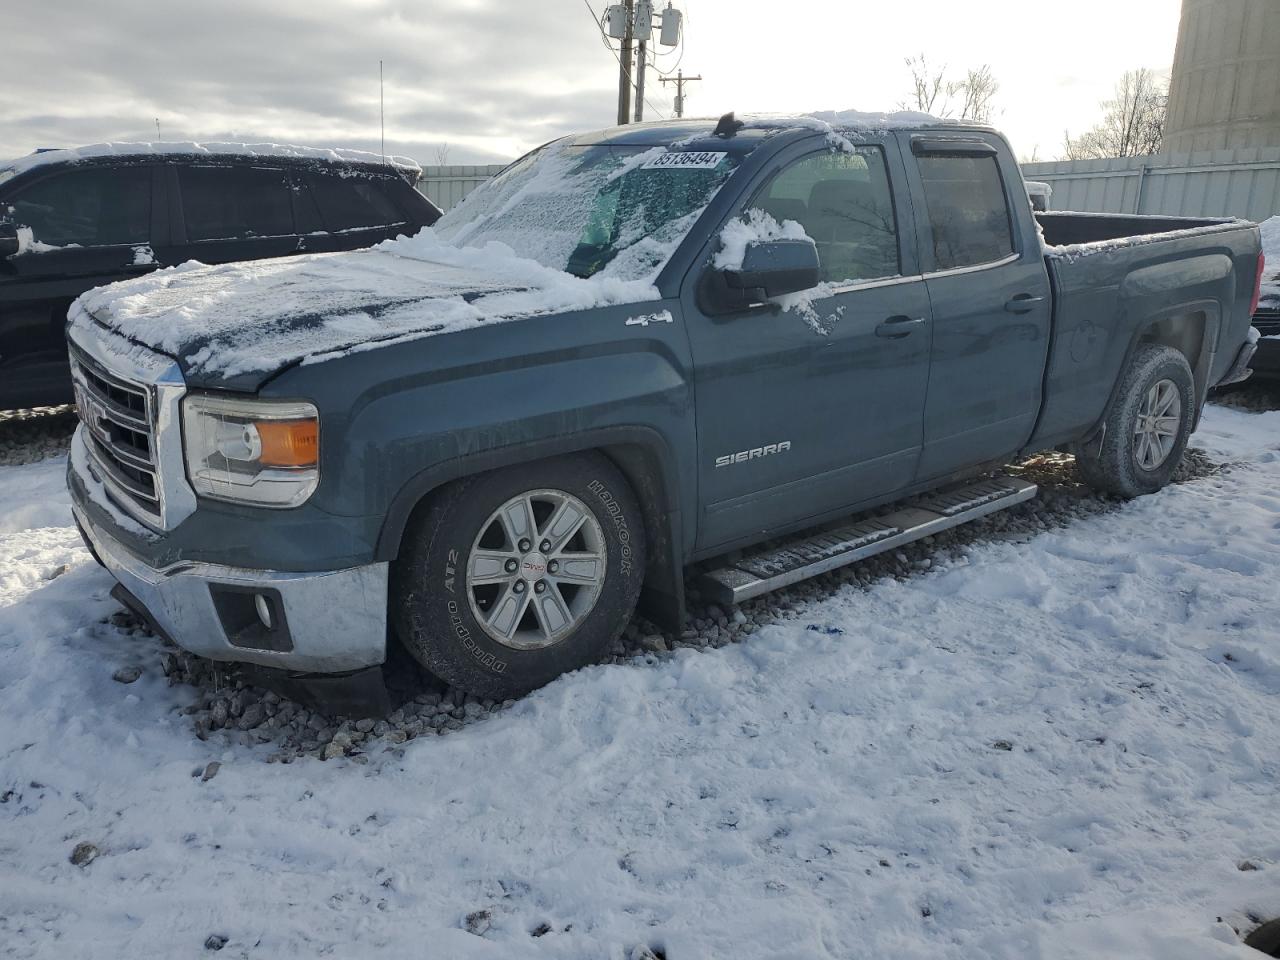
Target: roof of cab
pixel 699 133
pixel 404 166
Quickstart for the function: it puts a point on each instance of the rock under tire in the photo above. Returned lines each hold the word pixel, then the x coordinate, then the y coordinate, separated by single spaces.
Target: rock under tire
pixel 431 606
pixel 1113 467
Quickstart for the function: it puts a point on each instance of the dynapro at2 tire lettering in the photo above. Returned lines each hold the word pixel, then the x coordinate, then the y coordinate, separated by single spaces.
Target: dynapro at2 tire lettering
pixel 437 609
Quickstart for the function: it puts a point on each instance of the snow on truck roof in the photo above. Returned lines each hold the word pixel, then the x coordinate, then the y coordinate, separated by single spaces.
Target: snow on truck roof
pixel 209 148
pixel 831 122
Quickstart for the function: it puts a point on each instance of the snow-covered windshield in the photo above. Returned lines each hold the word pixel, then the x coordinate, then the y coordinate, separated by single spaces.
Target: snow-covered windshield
pixel 619 211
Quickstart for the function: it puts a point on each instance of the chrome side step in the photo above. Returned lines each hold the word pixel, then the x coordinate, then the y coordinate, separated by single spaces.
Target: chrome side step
pixel 807 556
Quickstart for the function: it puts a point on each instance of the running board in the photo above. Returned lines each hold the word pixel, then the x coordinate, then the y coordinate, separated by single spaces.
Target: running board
pixel 809 555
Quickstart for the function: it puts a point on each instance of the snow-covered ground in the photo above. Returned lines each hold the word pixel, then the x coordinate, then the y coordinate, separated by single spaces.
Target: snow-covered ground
pixel 1056 748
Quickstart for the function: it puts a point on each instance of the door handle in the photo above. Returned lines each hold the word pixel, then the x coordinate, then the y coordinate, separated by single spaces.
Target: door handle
pixel 895 328
pixel 1023 303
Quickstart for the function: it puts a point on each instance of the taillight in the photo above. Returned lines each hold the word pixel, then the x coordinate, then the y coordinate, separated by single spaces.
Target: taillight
pixel 1257 284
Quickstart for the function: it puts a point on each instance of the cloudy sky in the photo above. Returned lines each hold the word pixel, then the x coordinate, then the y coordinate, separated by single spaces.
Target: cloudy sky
pixel 492 78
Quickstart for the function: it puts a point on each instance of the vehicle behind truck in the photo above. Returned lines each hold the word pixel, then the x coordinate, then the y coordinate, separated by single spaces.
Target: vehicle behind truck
pixel 690 347
pixel 75 219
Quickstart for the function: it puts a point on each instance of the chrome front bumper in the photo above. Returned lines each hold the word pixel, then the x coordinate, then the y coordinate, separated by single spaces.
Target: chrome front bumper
pixel 336 620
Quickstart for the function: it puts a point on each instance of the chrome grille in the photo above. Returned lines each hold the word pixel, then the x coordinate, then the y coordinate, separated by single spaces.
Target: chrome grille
pixel 119 421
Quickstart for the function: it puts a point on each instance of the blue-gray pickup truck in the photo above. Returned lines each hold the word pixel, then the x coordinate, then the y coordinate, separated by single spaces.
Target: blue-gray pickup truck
pixel 748 350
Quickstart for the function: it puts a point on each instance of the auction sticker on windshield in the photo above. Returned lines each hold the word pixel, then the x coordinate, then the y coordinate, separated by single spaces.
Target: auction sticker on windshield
pixel 685 161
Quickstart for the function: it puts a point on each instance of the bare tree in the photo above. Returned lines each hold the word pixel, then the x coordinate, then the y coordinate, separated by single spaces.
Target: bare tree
pixel 928 85
pixel 1132 123
pixel 977 89
pixel 933 93
pixel 442 155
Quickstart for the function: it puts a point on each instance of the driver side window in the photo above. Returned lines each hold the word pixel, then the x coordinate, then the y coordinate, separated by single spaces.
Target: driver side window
pixel 844 203
pixel 88 208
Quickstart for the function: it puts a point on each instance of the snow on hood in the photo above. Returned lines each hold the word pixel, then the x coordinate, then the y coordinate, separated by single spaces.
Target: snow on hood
pixel 226 321
pixel 11 168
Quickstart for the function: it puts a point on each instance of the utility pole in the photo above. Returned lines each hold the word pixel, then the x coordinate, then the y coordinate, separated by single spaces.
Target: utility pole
pixel 624 67
pixel 641 55
pixel 679 80
pixel 632 22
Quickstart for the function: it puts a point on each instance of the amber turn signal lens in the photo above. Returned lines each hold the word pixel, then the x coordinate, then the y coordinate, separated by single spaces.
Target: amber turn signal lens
pixel 288 443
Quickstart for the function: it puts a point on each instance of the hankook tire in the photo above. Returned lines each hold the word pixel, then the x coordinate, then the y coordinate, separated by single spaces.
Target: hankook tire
pixel 1148 426
pixel 510 578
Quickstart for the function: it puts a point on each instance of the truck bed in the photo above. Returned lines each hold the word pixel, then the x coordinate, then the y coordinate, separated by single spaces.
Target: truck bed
pixel 1063 229
pixel 1117 279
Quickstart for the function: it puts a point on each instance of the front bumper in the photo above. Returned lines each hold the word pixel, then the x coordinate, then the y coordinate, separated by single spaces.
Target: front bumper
pixel 322 622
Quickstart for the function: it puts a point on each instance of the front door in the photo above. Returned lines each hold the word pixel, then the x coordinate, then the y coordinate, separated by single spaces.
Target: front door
pixel 81 228
pixel 816 406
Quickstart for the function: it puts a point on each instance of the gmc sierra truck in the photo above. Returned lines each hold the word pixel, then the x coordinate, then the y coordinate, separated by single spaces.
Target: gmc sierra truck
pixel 760 348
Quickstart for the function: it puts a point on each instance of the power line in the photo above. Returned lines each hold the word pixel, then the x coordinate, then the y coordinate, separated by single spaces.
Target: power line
pixel 625 70
pixel 679 80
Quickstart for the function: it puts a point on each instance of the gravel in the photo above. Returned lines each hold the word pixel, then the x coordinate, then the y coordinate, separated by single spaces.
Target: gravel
pixel 228 709
pixel 84 854
pixel 37 434
pixel 1254 395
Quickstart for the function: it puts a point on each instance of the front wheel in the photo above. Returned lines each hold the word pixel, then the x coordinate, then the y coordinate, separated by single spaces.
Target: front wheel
pixel 1148 427
pixel 510 578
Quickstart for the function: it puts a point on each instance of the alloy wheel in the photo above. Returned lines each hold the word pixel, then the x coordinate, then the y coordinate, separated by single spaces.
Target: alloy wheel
pixel 536 569
pixel 1156 432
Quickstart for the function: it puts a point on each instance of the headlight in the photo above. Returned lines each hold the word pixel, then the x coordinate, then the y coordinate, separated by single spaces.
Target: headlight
pixel 265 452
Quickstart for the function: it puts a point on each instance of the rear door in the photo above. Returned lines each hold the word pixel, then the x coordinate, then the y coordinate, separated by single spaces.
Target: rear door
pixel 340 209
pixel 808 410
pixel 990 299
pixel 229 212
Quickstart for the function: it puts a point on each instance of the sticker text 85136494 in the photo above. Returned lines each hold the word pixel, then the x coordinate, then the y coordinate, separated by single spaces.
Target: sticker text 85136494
pixel 686 160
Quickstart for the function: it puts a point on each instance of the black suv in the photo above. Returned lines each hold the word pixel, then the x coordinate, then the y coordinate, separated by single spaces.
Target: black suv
pixel 71 220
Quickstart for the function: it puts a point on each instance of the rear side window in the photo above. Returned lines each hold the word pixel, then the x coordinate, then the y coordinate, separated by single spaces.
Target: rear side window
pixel 349 202
pixel 235 203
pixel 968 213
pixel 88 208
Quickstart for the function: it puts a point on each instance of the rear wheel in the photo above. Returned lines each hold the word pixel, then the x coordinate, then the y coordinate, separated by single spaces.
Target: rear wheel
pixel 510 578
pixel 1148 427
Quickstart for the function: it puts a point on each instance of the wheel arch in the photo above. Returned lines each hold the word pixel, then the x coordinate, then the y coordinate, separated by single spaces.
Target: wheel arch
pixel 640 453
pixel 1189 332
pixel 1191 328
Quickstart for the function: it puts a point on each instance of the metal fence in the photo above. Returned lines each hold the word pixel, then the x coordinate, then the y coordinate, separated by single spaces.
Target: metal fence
pixel 447 185
pixel 1244 182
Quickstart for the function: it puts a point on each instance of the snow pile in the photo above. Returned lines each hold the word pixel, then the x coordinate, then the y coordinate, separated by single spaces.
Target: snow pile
pixel 11 168
pixel 1061 748
pixel 1271 276
pixel 264 314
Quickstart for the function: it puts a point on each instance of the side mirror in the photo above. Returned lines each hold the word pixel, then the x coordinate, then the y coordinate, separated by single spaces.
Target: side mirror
pixel 9 244
pixel 776 267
